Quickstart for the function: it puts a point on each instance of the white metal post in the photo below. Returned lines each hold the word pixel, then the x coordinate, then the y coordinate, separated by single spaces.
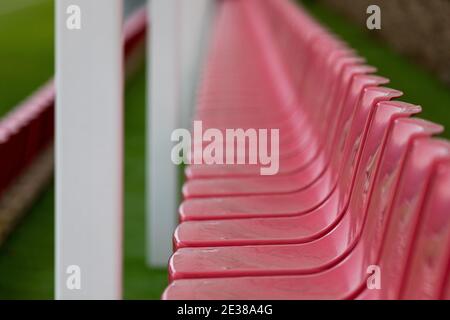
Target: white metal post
pixel 163 112
pixel 178 29
pixel 89 134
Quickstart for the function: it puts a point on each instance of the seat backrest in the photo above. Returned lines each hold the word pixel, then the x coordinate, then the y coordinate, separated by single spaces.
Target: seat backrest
pixel 373 157
pixel 405 211
pixel 293 31
pixel 428 263
pixel 233 42
pixel 328 126
pixel 273 58
pixel 324 88
pixel 401 134
pixel 446 290
pixel 344 163
pixel 318 55
pixel 345 116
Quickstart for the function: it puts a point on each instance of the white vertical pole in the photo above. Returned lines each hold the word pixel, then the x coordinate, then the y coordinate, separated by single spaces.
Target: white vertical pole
pixel 163 112
pixel 178 29
pixel 89 134
pixel 194 27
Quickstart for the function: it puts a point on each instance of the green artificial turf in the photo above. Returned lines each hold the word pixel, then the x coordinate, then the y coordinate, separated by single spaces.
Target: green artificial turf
pixel 26 49
pixel 140 282
pixel 26 259
pixel 418 85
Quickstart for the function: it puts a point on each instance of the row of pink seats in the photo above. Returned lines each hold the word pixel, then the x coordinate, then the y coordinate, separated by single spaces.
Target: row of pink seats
pixel 29 128
pixel 362 185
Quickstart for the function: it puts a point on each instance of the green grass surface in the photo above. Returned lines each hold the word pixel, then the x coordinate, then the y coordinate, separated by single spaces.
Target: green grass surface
pixel 140 282
pixel 26 259
pixel 418 85
pixel 26 49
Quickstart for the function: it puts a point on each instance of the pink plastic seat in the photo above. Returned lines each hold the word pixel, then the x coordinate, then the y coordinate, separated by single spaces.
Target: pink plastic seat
pixel 446 292
pixel 319 254
pixel 286 99
pixel 303 201
pixel 270 230
pixel 304 178
pixel 294 173
pixel 428 262
pixel 348 278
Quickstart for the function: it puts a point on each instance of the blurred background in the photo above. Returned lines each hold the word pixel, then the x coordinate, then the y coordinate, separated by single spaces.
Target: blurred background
pixel 412 49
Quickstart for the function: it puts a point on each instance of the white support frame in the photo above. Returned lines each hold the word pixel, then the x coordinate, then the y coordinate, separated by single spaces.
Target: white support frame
pixel 89 139
pixel 178 30
pixel 163 112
